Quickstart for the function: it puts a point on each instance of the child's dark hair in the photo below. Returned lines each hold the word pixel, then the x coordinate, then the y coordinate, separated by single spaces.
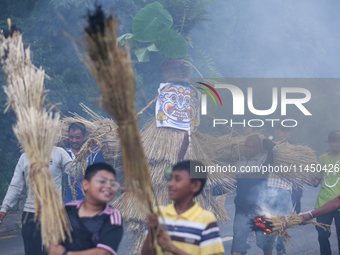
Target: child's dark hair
pixel 186 165
pixel 78 125
pixel 91 170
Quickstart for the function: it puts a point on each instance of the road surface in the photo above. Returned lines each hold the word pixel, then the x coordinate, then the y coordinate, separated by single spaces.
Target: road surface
pixel 304 238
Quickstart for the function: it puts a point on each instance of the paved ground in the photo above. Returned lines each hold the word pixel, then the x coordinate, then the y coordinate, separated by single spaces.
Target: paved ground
pixel 304 238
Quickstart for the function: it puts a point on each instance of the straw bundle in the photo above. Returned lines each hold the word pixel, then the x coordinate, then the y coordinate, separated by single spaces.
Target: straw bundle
pixel 224 181
pixel 20 75
pixel 35 130
pixel 278 225
pixel 97 127
pixel 111 67
pixel 230 149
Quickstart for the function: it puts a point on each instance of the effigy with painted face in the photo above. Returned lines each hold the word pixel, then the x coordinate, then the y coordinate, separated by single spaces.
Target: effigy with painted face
pixel 177 107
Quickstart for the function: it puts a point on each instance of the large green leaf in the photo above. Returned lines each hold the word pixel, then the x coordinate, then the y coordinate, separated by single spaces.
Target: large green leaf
pixel 142 55
pixel 149 21
pixel 171 44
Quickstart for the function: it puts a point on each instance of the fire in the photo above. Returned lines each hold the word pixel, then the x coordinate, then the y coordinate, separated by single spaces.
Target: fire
pixel 259 223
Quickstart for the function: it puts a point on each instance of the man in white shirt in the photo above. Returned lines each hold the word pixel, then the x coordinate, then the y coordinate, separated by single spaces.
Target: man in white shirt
pixel 59 163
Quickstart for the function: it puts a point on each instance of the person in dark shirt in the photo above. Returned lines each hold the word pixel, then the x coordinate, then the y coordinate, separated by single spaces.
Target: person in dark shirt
pixel 96 227
pixel 250 186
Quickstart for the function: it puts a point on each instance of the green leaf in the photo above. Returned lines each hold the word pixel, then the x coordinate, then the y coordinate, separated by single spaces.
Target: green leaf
pixel 171 44
pixel 142 55
pixel 149 21
pixel 152 47
pixel 127 38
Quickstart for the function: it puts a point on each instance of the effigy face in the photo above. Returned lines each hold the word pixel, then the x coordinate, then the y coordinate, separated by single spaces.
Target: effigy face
pixel 177 107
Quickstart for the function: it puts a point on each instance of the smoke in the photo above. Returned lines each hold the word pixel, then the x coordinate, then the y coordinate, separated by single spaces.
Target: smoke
pixel 273 201
pixel 278 39
pixel 272 38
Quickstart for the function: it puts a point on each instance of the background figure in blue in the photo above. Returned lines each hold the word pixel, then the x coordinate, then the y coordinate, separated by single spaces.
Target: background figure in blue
pixel 77 137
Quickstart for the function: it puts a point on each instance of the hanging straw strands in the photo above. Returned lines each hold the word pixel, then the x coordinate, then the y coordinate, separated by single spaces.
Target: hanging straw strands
pixel 36 130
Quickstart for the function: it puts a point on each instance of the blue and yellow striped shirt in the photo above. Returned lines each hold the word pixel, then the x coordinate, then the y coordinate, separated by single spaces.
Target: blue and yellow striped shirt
pixel 194 231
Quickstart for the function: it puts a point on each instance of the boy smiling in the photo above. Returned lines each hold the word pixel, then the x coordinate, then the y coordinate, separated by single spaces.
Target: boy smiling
pixel 190 229
pixel 97 228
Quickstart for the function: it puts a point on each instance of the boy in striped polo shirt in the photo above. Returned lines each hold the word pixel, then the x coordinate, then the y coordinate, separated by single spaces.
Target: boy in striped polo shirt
pixel 186 228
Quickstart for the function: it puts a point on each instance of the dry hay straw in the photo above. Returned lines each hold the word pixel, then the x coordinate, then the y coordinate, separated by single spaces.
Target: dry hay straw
pixel 35 130
pixel 230 149
pixel 111 67
pixel 103 131
pixel 161 146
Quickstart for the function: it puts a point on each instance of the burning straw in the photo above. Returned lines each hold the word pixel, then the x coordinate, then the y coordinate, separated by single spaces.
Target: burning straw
pixel 278 225
pixel 35 130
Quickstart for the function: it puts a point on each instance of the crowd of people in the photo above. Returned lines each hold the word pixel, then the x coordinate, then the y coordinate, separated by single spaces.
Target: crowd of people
pixel 181 227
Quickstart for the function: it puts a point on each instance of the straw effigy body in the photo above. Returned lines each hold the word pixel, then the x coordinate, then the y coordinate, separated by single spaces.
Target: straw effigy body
pixel 36 131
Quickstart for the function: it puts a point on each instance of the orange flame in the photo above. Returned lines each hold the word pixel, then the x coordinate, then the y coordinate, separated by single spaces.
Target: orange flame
pixel 261 223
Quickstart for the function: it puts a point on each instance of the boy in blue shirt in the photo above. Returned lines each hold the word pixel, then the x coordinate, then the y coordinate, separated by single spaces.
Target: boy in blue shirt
pixel 96 228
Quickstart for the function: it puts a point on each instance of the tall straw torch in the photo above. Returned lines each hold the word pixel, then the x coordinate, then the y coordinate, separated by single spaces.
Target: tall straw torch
pixel 36 130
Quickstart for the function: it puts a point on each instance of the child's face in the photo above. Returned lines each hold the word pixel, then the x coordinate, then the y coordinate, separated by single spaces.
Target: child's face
pixel 180 185
pixel 102 187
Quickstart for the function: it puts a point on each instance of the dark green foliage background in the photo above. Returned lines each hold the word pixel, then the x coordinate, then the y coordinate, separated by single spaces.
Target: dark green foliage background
pixel 264 39
pixel 71 83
